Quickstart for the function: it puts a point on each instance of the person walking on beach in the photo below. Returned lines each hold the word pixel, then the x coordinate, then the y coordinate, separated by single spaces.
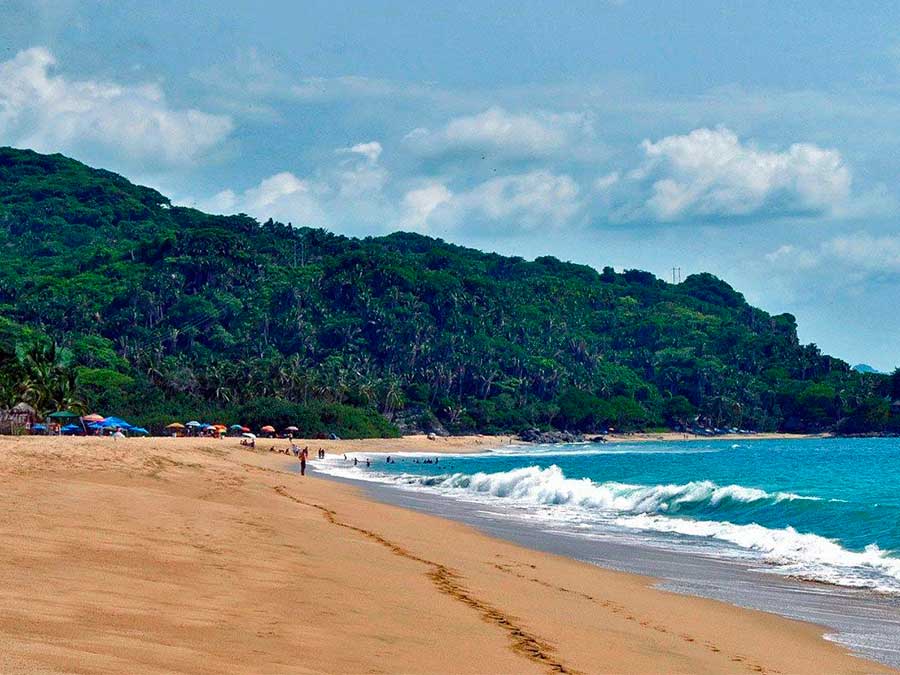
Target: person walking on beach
pixel 304 453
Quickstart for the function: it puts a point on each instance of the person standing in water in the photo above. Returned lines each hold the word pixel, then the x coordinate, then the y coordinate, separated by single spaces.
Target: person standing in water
pixel 304 454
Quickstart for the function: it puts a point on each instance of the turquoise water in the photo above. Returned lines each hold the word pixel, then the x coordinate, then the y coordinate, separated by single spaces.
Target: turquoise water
pixel 823 509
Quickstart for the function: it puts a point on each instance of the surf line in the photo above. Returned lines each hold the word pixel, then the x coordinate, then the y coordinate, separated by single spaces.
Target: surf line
pixel 448 583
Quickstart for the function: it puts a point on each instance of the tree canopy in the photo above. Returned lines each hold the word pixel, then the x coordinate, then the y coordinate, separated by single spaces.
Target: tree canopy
pixel 114 299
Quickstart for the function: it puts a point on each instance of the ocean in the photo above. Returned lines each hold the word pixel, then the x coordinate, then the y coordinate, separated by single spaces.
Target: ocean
pixel 751 522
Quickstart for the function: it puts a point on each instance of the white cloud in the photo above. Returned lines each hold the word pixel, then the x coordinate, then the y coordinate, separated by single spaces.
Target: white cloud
pixel 607 181
pixel 711 173
pixel 347 193
pixel 516 202
pixel 49 112
pixel 371 150
pixel 866 252
pixel 418 205
pixel 283 196
pixel 859 255
pixel 497 131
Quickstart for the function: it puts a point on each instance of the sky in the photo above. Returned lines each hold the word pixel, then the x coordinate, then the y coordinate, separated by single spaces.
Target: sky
pixel 759 141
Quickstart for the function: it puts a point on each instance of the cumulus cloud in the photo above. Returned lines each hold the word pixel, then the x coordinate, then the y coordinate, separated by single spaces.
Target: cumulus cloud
pixel 418 205
pixel 49 112
pixel 371 150
pixel 497 131
pixel 515 202
pixel 711 173
pixel 282 196
pixel 344 194
pixel 859 254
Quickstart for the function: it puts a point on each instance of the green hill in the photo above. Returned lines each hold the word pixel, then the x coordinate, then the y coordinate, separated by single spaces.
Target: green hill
pixel 113 298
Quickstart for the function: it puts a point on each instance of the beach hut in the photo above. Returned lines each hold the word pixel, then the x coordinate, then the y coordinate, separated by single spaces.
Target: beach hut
pixel 17 419
pixel 23 409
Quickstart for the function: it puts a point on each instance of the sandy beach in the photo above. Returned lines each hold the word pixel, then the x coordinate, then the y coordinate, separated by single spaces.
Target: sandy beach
pixel 199 556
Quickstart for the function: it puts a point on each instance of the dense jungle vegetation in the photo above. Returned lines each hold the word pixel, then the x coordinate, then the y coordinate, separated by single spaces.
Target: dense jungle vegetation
pixel 112 299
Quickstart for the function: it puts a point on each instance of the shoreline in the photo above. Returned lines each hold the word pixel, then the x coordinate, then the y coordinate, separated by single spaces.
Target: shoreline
pixel 862 620
pixel 154 555
pixel 474 443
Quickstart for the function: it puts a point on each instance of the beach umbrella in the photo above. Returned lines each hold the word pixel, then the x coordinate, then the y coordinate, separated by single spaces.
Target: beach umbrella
pixel 139 430
pixel 62 415
pixel 113 422
pixel 245 428
pixel 39 427
pixel 175 425
pixel 93 417
pixel 194 423
pixel 268 429
pixel 291 429
pixel 71 429
pixel 248 435
pixel 236 427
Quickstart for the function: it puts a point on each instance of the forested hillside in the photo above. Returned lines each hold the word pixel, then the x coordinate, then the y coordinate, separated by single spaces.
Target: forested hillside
pixel 113 299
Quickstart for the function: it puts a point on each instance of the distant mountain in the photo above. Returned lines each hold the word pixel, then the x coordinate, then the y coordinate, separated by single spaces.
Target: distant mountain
pixel 864 368
pixel 113 298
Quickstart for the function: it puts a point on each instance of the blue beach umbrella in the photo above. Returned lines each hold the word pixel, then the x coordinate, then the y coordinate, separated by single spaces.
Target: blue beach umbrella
pixel 139 430
pixel 113 422
pixel 71 429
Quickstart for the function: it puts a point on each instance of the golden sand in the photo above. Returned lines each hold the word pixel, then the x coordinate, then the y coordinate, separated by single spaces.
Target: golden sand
pixel 199 556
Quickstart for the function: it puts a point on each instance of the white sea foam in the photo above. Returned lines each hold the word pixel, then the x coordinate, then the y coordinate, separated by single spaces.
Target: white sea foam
pixel 549 486
pixel 547 494
pixel 793 553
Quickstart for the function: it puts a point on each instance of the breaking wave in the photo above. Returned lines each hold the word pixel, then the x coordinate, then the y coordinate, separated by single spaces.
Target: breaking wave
pixel 698 509
pixel 550 486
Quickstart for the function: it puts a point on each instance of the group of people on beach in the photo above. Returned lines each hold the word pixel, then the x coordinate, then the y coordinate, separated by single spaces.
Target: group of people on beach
pixel 301 454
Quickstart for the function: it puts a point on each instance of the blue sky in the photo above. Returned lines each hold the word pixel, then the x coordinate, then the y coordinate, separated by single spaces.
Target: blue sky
pixel 758 141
